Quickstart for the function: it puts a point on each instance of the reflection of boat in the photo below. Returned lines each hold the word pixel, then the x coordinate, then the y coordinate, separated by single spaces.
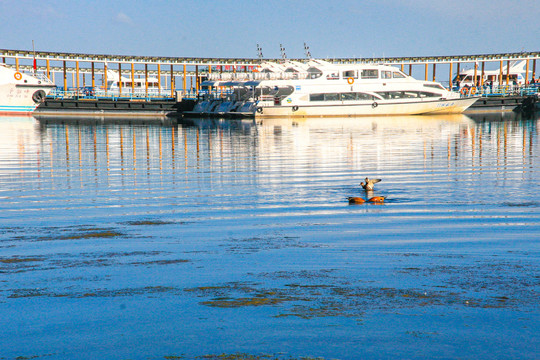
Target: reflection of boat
pixel 320 88
pixel 21 93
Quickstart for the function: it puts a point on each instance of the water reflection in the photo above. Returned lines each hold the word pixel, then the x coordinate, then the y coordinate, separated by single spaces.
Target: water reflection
pixel 99 150
pixel 164 232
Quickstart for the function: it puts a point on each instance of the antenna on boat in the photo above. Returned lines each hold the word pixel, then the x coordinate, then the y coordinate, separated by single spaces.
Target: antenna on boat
pixel 306 51
pixel 259 52
pixel 282 49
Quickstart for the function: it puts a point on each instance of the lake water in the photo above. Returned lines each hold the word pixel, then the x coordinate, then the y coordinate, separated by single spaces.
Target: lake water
pixel 234 238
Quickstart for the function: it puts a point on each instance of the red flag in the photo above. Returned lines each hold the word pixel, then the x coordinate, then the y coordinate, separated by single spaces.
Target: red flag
pixel 35 65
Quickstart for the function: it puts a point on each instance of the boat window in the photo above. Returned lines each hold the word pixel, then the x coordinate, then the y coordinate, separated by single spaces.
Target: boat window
pixel 386 74
pixel 316 97
pixel 267 71
pixel 331 97
pixel 398 75
pixel 348 96
pixel 350 74
pixel 355 96
pixel 284 91
pixel 370 74
pixel 410 94
pixel 314 73
pixel 291 70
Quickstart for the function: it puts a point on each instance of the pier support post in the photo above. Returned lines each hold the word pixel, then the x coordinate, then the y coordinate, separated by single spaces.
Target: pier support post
pixel 48 69
pixel 93 77
pixel 410 69
pixel 159 78
pixel 197 79
pixel 172 81
pixel 184 80
pixel 105 82
pixel 146 80
pixel 119 79
pixel 17 64
pixel 483 73
pixel 450 76
pixel 500 73
pixel 65 77
pixel 507 72
pixel 434 71
pixel 77 74
pixel 475 77
pixel 132 79
pixel 426 72
pixel 534 69
pixel 527 72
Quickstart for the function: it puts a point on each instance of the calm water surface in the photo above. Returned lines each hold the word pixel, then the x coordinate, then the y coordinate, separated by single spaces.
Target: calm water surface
pixel 161 241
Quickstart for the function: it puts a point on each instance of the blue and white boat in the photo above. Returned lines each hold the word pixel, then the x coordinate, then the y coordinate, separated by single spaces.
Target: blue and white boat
pixel 21 93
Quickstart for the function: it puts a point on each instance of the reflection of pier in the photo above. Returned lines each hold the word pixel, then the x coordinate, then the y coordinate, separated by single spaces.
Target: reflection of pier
pixel 90 151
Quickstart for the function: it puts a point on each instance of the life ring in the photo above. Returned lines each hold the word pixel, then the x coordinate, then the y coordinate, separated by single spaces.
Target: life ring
pixel 294 108
pixel 350 80
pixel 17 76
pixel 260 110
pixel 374 105
pixel 473 90
pixel 464 91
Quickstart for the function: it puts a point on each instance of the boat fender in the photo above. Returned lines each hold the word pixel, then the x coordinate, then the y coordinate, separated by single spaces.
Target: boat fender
pixel 17 76
pixel 260 110
pixel 39 96
pixel 374 105
pixel 294 108
pixel 350 80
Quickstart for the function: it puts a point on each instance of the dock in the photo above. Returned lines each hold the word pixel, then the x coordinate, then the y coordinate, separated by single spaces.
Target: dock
pixel 180 78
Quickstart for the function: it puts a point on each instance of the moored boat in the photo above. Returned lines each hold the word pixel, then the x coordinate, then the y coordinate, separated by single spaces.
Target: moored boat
pixel 321 88
pixel 21 93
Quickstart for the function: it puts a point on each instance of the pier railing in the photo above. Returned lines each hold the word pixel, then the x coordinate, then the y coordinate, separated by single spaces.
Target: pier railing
pixel 508 90
pixel 93 93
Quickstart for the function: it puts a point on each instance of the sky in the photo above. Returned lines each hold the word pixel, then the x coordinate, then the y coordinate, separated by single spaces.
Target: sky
pixel 331 29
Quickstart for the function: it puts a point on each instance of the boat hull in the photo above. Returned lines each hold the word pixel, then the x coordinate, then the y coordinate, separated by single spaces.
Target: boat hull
pixel 19 99
pixel 380 108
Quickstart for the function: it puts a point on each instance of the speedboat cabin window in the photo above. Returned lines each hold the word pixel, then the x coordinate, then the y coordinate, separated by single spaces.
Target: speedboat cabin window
pixel 314 73
pixel 350 74
pixel 355 96
pixel 370 74
pixel 332 97
pixel 386 74
pixel 350 96
pixel 398 75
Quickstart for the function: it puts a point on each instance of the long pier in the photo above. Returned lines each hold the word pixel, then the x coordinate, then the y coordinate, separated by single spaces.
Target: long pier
pixel 81 69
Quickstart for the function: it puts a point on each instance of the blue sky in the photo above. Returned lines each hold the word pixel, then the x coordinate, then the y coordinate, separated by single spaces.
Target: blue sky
pixel 233 28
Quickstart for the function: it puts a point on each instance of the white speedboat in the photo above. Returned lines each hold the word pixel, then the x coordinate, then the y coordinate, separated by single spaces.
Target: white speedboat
pixel 475 77
pixel 321 88
pixel 139 86
pixel 21 93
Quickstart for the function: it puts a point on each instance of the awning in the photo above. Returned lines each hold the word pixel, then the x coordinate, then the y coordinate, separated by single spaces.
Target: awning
pixel 210 83
pixel 252 83
pixel 231 83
